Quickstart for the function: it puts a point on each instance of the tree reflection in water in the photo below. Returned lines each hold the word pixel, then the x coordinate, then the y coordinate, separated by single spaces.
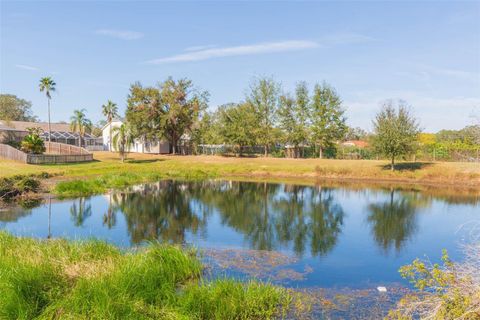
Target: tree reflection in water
pixel 80 211
pixel 268 215
pixel 394 221
pixel 160 211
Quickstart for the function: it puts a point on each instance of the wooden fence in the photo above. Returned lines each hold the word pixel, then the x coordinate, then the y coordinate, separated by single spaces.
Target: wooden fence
pixel 64 149
pixel 68 154
pixel 11 153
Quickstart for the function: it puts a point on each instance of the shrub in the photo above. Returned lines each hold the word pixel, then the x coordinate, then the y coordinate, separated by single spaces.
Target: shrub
pixel 448 291
pixel 17 185
pixel 32 143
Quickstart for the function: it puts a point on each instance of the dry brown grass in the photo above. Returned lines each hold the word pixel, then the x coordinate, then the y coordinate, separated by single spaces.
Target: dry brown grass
pixel 447 173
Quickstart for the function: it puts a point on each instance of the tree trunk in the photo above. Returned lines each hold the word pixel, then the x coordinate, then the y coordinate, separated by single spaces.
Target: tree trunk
pixel 320 153
pixel 266 150
pixel 110 137
pixel 392 167
pixel 49 127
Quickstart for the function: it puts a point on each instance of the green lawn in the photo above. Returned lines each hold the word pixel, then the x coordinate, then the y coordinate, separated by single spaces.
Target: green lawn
pixel 108 171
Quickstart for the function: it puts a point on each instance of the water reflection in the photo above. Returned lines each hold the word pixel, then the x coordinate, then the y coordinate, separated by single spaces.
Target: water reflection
pixel 162 211
pixel 80 210
pixel 394 221
pixel 110 217
pixel 267 215
pixel 306 220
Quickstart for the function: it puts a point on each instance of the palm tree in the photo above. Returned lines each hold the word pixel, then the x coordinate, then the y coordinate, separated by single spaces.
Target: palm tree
pixel 110 110
pixel 48 85
pixel 122 139
pixel 79 123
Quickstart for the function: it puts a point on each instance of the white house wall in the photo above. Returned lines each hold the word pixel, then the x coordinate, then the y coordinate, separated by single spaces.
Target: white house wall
pixel 154 147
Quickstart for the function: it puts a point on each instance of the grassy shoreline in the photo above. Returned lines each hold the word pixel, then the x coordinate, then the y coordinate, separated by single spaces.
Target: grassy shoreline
pixel 108 172
pixel 51 279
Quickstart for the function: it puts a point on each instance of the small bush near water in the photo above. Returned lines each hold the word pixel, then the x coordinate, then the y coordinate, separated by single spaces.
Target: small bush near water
pixel 57 279
pixel 18 185
pixel 445 292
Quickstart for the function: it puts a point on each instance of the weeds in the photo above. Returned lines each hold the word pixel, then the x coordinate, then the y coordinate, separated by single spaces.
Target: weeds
pixel 57 279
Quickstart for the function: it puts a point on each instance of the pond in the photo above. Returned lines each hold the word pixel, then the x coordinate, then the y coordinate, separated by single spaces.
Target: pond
pixel 318 236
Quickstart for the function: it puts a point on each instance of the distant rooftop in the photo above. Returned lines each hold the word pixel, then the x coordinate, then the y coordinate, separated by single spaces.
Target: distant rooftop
pixel 23 125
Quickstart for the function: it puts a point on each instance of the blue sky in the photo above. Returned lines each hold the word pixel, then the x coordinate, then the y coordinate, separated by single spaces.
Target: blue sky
pixel 427 53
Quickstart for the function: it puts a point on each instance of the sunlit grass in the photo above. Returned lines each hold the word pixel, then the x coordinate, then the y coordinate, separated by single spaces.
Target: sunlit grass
pixel 108 172
pixel 57 279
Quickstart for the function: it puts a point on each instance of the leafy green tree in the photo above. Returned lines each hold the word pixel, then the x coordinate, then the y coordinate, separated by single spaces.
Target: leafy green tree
pixel 48 85
pixel 468 135
pixel 238 125
pixel 356 133
pixel 293 116
pixel 396 131
pixel 181 106
pixel 144 112
pixel 302 113
pixel 33 143
pixel 169 111
pixel 206 130
pixel 110 111
pixel 13 108
pixel 123 138
pixel 264 97
pixel 327 116
pixel 79 123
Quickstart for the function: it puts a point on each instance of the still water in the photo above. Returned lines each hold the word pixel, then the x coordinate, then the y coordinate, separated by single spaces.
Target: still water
pixel 307 236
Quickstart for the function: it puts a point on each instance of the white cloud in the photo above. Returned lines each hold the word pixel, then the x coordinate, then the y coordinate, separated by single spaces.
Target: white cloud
pixel 120 34
pixel 261 48
pixel 199 53
pixel 26 67
pixel 198 48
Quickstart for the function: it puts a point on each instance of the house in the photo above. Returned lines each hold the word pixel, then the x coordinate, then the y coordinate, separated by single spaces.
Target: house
pixel 355 143
pixel 15 131
pixel 157 146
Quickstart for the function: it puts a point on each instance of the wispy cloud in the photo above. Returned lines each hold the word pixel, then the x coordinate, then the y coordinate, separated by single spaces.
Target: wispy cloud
pixel 456 73
pixel 120 34
pixel 261 48
pixel 199 53
pixel 428 72
pixel 198 48
pixel 26 67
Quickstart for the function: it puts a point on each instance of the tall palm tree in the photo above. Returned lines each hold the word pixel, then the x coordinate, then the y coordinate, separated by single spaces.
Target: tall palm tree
pixel 48 85
pixel 122 139
pixel 110 110
pixel 79 123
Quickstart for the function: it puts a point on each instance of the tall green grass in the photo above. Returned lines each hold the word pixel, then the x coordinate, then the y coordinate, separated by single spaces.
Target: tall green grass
pixel 57 279
pixel 101 184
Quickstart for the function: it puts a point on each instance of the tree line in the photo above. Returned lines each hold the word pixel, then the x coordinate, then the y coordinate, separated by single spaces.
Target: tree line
pixel 267 117
pixel 310 121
